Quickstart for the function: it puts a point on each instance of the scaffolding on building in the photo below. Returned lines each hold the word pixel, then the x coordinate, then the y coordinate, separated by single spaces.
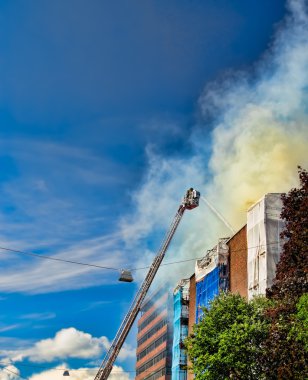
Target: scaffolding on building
pixel 212 275
pixel 264 226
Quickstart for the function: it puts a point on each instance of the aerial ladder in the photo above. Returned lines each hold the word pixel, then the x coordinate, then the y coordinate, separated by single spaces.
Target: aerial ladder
pixel 190 201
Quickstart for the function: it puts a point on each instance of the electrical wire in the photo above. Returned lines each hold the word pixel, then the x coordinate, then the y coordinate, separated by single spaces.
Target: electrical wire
pixel 118 269
pixel 74 262
pixel 202 257
pixel 14 373
pixel 62 369
pixel 57 259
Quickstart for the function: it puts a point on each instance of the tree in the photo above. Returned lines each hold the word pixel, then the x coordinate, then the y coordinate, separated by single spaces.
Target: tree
pixel 263 338
pixel 291 280
pixel 228 339
pixel 300 328
pixel 285 351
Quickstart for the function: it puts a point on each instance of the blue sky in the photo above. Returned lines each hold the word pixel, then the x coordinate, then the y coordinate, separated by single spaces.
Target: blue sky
pixel 108 111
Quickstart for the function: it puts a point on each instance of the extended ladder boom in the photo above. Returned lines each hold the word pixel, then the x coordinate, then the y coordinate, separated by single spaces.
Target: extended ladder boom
pixel 190 201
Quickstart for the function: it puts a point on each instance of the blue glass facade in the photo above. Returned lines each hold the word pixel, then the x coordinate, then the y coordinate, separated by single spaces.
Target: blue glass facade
pixel 210 286
pixel 180 332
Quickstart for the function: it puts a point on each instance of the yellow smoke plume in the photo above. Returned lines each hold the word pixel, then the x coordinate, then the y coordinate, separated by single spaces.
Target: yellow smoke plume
pixel 259 155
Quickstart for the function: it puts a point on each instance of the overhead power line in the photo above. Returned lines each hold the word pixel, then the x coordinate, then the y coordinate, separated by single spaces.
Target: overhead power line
pixel 118 269
pixel 56 259
pixel 14 373
pixel 59 368
pixel 202 257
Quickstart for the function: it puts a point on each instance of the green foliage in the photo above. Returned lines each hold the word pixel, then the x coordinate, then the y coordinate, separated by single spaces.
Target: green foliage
pixel 285 356
pixel 228 339
pixel 264 338
pixel 292 270
pixel 285 349
pixel 299 330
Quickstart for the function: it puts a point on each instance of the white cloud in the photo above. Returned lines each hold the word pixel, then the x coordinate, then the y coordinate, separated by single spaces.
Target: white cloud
pixel 118 373
pixel 49 276
pixel 13 343
pixel 9 372
pixel 50 216
pixel 96 305
pixel 52 374
pixel 39 316
pixel 79 374
pixel 9 327
pixel 67 343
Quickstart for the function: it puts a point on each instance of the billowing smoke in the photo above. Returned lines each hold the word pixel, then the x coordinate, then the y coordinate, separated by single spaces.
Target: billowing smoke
pixel 262 133
pixel 259 136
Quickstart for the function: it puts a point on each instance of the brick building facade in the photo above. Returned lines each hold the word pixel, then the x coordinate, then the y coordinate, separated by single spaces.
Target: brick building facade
pixel 228 266
pixel 238 262
pixel 154 339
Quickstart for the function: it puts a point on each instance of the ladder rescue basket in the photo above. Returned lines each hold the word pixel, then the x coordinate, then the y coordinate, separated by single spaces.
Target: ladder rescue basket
pixel 191 199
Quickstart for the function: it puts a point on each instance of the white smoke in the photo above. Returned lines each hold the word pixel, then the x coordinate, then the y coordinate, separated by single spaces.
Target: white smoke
pixel 260 135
